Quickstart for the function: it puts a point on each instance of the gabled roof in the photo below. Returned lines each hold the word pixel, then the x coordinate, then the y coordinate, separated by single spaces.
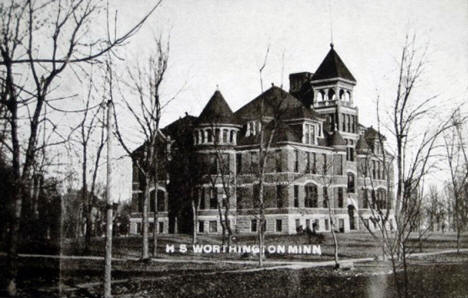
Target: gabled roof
pixel 217 111
pixel 277 103
pixel 332 67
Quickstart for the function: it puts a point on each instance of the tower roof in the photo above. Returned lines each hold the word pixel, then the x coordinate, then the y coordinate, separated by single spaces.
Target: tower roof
pixel 336 140
pixel 217 111
pixel 332 67
pixel 361 145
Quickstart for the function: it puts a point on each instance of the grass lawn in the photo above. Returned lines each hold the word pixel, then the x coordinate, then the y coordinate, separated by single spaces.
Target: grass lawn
pixel 430 276
pixel 351 245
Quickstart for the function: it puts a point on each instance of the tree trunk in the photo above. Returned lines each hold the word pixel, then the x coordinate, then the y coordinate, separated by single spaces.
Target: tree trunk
pixel 109 202
pixel 261 231
pixel 221 221
pixel 335 244
pixel 155 219
pixel 227 223
pixel 13 244
pixel 146 194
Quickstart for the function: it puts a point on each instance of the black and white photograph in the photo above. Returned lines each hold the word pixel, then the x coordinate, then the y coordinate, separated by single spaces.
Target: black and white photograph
pixel 233 148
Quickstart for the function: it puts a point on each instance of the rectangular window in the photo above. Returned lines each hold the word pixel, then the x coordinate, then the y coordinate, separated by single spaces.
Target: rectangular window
pixel 340 197
pixel 213 164
pixel 253 225
pixel 209 135
pixel 325 197
pixel 317 225
pixel 311 196
pixel 161 227
pixel 314 163
pixel 217 135
pixel 344 122
pixel 296 196
pixel 279 196
pixel 296 161
pixel 239 163
pixel 327 224
pixel 161 205
pixel 349 123
pixel 254 161
pixel 365 199
pixel 298 223
pixel 373 169
pixel 278 160
pixel 308 165
pixel 213 199
pixel 201 226
pixel 325 164
pixel 225 136
pixel 213 226
pixel 279 225
pixel 339 165
pixel 307 223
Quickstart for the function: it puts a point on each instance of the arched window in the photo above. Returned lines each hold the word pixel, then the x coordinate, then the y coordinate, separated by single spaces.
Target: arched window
pixel 232 137
pixel 351 183
pixel 320 96
pixel 331 94
pixel 342 95
pixel 209 136
pixel 311 196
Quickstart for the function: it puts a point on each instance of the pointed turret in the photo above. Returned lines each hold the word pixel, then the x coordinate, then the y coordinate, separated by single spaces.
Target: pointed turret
pixel 217 111
pixel 336 141
pixel 361 145
pixel 216 124
pixel 332 67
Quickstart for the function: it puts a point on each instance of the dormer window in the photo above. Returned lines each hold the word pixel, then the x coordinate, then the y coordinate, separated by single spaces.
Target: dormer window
pixel 253 127
pixel 309 135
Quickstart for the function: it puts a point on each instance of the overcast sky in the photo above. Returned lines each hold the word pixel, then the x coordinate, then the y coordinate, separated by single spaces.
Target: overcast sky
pixel 220 42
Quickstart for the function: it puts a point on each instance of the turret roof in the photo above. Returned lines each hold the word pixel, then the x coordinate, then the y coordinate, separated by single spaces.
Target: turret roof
pixel 217 111
pixel 332 67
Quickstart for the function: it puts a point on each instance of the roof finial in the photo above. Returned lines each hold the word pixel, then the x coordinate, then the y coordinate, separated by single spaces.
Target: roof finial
pixel 217 87
pixel 331 23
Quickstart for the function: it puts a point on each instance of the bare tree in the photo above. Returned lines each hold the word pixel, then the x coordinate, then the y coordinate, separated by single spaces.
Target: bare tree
pixel 457 160
pixel 221 172
pixel 87 136
pixel 30 75
pixel 327 173
pixel 146 111
pixel 416 146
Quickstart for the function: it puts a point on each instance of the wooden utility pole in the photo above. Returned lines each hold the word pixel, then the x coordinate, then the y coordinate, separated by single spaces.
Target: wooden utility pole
pixel 109 201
